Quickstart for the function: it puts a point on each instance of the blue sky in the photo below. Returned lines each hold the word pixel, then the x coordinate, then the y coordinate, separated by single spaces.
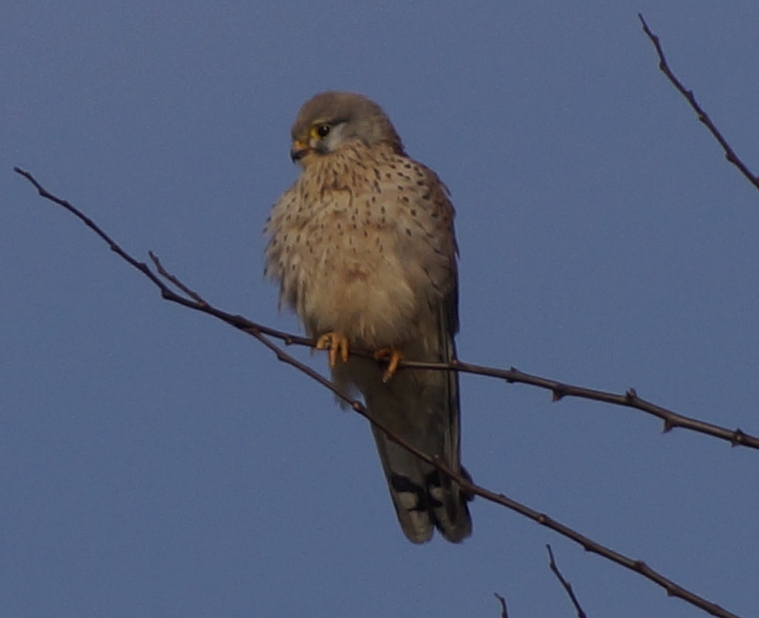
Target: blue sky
pixel 154 462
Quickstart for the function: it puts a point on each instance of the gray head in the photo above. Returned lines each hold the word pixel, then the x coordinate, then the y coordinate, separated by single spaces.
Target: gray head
pixel 331 120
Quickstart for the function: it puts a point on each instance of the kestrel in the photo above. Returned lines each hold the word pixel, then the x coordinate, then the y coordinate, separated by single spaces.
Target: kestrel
pixel 364 250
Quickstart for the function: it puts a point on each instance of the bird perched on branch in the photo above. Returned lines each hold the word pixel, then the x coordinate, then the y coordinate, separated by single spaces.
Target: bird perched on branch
pixel 364 250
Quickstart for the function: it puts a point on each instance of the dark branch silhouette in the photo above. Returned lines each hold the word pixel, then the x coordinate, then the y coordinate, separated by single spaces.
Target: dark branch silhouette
pixel 559 390
pixel 702 115
pixel 565 584
pixel 629 399
pixel 263 334
pixel 502 601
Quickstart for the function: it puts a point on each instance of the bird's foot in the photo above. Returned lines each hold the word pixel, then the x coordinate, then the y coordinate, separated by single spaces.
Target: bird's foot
pixel 393 356
pixel 336 344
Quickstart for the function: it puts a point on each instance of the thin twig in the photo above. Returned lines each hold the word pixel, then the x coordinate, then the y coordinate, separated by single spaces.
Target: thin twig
pixel 502 601
pixel 262 334
pixel 567 586
pixel 702 115
pixel 169 277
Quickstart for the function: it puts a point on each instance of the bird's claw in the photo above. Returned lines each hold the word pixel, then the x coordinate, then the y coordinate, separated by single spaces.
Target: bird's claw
pixel 336 344
pixel 393 356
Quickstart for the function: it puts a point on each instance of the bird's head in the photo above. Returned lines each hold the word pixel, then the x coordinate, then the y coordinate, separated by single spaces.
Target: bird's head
pixel 333 120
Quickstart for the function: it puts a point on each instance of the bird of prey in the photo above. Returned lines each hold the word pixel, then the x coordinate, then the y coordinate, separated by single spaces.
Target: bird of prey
pixel 363 248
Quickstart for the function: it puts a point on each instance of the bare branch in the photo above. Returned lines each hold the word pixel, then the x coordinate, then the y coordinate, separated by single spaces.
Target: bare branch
pixel 559 390
pixel 702 115
pixel 262 334
pixel 567 586
pixel 502 601
pixel 169 277
pixel 629 399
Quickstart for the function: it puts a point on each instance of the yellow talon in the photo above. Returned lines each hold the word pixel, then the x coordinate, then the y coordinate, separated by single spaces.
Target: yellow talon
pixel 336 344
pixel 393 356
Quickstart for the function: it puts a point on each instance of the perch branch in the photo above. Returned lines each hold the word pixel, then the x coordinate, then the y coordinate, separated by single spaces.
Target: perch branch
pixel 264 334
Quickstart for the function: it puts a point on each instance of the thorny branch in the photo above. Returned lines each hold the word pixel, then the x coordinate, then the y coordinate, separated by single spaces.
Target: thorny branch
pixel 702 115
pixel 192 300
pixel 559 390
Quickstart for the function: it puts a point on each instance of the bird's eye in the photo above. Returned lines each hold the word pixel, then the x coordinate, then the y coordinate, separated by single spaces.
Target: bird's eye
pixel 323 130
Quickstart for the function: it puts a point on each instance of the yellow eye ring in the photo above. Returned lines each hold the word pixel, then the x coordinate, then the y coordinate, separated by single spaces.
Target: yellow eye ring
pixel 322 130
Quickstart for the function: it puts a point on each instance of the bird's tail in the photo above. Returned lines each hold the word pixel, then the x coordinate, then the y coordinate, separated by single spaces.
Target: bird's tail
pixel 424 498
pixel 421 406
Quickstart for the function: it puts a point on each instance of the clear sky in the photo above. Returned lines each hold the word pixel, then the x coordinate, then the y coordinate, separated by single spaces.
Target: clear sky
pixel 155 462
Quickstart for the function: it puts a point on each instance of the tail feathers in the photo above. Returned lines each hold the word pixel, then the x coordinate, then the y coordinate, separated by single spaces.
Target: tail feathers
pixel 422 407
pixel 423 497
pixel 449 506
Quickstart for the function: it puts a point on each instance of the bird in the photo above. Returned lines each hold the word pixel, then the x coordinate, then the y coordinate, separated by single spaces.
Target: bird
pixel 364 250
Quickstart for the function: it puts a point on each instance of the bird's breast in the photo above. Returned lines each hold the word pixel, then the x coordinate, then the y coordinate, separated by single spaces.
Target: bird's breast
pixel 351 247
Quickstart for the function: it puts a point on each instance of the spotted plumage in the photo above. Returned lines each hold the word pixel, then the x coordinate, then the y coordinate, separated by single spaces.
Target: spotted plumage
pixel 363 248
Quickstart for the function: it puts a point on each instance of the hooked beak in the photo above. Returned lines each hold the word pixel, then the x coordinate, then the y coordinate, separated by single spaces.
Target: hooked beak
pixel 298 150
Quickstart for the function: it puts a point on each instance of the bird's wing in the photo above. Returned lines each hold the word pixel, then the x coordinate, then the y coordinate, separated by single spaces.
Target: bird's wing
pixel 422 407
